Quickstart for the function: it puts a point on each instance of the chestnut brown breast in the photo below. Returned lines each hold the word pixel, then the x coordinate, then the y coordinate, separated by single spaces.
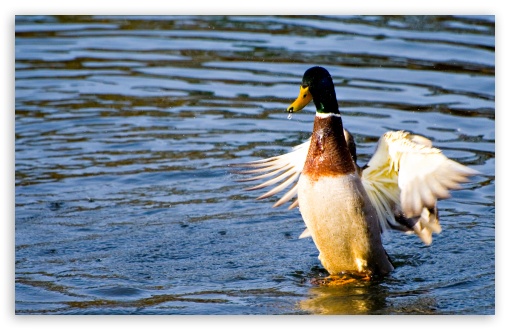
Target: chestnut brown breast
pixel 328 154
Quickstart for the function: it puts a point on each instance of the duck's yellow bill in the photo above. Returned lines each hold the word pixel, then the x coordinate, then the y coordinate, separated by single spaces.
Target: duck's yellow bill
pixel 302 100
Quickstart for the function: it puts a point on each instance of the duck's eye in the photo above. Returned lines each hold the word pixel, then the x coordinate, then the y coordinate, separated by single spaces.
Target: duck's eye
pixel 304 95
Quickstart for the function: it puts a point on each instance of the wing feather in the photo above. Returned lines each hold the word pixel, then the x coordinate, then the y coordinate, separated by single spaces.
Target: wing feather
pixel 404 179
pixel 282 171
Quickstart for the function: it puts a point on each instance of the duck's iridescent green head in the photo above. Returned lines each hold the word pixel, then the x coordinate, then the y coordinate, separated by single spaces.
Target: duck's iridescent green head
pixel 317 85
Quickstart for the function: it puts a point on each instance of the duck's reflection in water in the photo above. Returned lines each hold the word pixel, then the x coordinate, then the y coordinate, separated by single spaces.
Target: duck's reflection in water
pixel 360 297
pixel 366 297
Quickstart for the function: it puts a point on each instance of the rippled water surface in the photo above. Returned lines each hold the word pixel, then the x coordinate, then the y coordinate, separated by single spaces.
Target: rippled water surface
pixel 125 127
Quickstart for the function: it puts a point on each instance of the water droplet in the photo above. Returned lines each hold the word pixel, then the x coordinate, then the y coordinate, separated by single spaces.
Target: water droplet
pixel 289 117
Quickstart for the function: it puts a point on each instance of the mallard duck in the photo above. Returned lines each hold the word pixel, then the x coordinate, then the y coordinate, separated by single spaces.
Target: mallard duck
pixel 346 207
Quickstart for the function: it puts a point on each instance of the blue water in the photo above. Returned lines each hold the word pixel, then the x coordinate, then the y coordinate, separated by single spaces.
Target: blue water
pixel 125 128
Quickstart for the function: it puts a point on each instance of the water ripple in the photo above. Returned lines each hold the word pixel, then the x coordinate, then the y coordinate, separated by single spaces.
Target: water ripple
pixel 125 128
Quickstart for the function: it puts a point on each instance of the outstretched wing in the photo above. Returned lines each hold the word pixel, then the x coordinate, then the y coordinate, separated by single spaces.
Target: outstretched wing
pixel 404 179
pixel 283 170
